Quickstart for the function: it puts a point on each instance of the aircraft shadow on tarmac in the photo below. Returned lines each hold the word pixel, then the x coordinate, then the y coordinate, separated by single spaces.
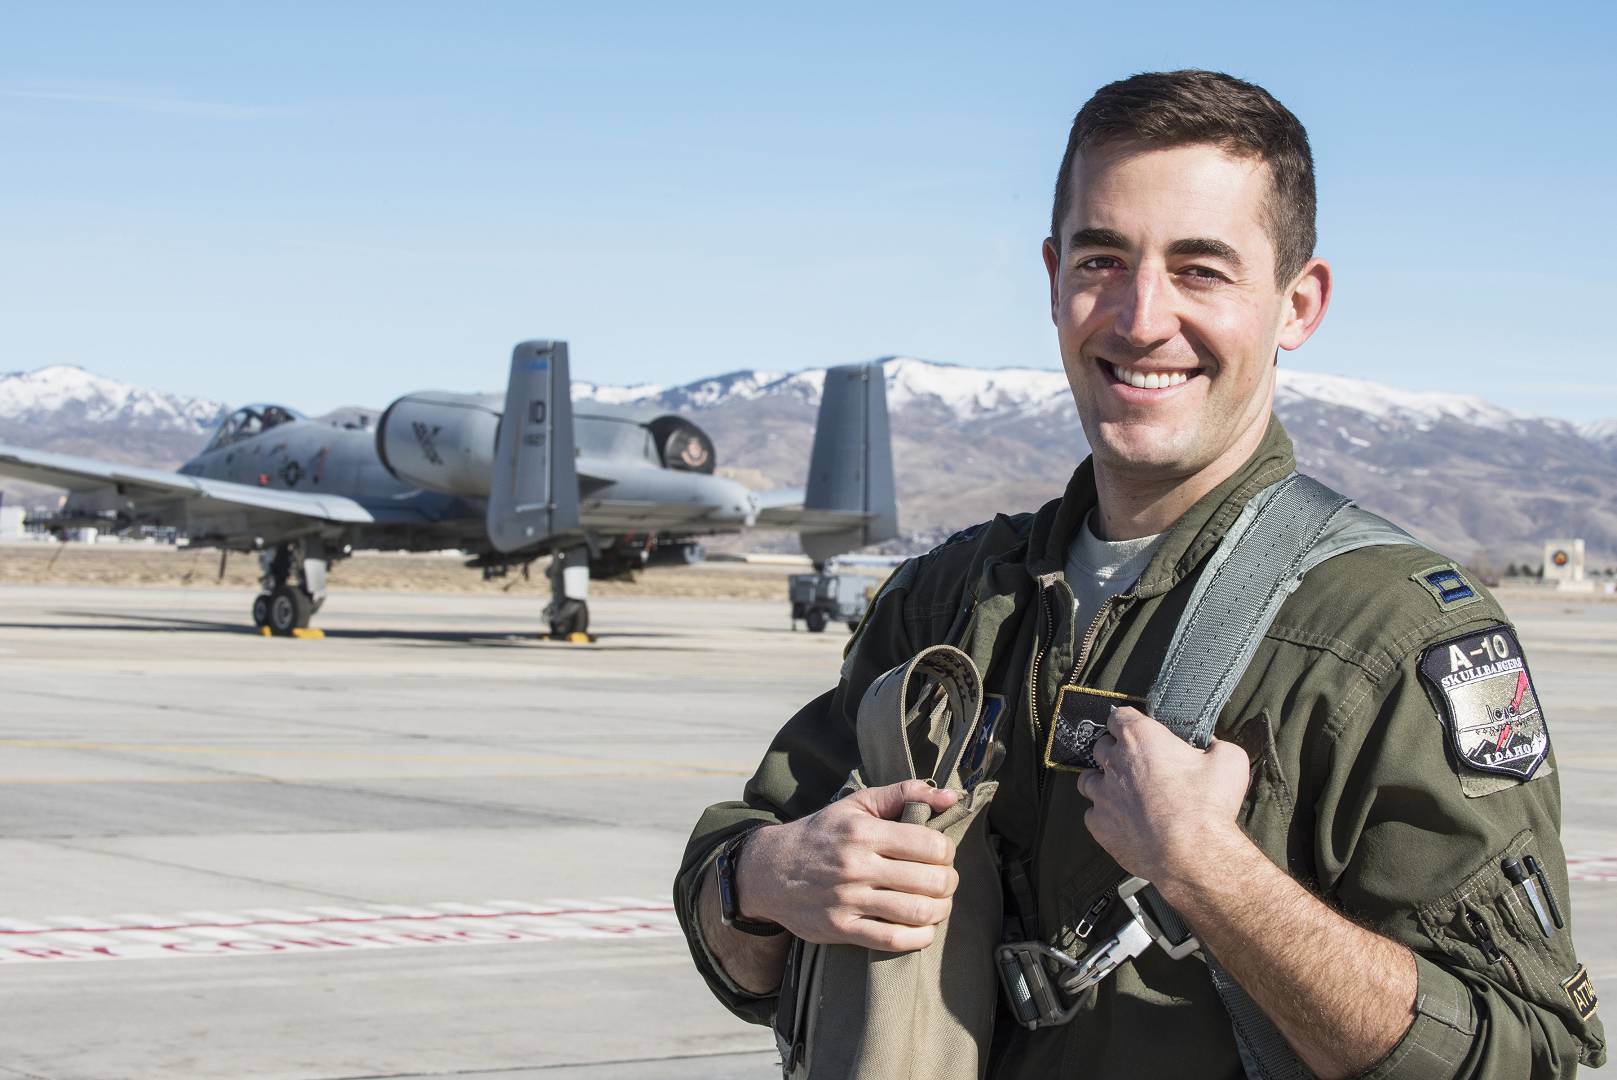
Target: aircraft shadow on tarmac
pixel 171 624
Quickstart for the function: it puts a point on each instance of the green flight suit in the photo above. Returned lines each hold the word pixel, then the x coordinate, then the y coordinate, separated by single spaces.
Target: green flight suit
pixel 1356 789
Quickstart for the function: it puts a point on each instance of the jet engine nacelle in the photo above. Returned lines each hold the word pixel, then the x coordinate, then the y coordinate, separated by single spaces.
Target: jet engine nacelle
pixel 682 445
pixel 441 442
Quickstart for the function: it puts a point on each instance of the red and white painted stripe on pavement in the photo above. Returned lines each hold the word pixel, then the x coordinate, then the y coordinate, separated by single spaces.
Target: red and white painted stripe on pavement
pixel 326 928
pixel 1591 867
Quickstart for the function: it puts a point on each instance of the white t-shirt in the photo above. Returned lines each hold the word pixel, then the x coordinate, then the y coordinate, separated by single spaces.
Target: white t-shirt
pixel 1100 569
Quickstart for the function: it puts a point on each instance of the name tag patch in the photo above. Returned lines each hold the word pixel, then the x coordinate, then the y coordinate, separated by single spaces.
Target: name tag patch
pixel 1582 993
pixel 1493 717
pixel 1080 719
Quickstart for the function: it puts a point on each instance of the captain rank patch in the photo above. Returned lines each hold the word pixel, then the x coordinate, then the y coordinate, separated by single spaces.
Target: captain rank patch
pixel 1494 721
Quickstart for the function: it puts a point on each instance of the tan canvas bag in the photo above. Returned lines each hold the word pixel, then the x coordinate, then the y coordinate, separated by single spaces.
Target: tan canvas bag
pixel 852 1012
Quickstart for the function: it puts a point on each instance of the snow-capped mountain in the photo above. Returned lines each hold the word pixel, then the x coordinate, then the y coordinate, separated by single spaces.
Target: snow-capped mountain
pixel 1478 481
pixel 969 394
pixel 70 410
pixel 1602 432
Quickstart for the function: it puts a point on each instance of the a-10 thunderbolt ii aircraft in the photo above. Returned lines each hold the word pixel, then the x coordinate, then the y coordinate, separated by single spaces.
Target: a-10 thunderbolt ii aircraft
pixel 505 481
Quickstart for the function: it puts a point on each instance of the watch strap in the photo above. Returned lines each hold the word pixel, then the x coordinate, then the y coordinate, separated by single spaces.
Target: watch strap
pixel 729 898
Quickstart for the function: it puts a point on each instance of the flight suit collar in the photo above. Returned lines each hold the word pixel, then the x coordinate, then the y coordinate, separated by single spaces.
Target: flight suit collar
pixel 1188 541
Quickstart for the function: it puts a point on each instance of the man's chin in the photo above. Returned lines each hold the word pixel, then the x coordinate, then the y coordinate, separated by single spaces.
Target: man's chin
pixel 1142 448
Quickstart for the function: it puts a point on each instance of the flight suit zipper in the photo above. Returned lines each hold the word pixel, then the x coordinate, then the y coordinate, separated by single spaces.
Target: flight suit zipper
pixel 1041 641
pixel 1040 644
pixel 1491 950
pixel 1046 583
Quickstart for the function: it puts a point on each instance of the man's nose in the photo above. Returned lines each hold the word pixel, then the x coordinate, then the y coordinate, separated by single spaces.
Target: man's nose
pixel 1145 312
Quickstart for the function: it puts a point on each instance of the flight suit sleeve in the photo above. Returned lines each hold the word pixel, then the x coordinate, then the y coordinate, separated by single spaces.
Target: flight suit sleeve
pixel 1416 824
pixel 805 766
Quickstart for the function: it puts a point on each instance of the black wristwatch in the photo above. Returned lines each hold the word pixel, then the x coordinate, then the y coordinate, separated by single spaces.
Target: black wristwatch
pixel 729 899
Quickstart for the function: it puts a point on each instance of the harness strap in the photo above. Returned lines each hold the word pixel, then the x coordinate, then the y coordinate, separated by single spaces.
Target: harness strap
pixel 1286 530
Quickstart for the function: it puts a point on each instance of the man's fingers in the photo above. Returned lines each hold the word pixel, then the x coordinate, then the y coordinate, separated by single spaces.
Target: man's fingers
pixel 1122 716
pixel 1102 749
pixel 1232 755
pixel 902 908
pixel 888 801
pixel 1088 780
pixel 922 879
pixel 890 937
pixel 911 843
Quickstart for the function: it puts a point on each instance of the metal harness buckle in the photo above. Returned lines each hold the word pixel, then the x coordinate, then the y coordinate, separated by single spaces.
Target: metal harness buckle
pixel 1036 1000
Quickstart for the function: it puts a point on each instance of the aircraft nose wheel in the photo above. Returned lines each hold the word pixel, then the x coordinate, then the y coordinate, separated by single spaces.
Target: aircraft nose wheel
pixel 570 617
pixel 289 609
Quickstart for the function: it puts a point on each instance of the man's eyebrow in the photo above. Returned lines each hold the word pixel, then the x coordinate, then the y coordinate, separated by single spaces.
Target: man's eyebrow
pixel 1097 238
pixel 1207 247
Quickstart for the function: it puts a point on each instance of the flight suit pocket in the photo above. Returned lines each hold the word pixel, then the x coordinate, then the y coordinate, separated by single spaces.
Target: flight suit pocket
pixel 1490 924
pixel 1267 811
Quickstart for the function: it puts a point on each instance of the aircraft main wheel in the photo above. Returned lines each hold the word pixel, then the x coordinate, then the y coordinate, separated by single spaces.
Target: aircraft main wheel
pixel 261 606
pixel 571 617
pixel 691 554
pixel 289 610
pixel 815 620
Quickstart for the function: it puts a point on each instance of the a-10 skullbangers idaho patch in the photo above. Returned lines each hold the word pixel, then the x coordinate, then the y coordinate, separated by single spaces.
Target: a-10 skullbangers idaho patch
pixel 1494 721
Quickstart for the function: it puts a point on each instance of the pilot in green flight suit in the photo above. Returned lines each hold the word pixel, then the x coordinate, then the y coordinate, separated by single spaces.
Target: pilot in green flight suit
pixel 1371 844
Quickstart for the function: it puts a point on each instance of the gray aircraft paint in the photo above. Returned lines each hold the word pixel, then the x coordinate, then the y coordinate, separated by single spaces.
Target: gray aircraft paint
pixel 455 471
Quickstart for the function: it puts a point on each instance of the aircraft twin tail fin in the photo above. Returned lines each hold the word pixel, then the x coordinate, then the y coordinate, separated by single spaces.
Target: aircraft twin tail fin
pixel 533 493
pixel 851 468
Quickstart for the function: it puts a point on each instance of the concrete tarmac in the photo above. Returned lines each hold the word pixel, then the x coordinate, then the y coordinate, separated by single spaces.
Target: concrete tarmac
pixel 431 845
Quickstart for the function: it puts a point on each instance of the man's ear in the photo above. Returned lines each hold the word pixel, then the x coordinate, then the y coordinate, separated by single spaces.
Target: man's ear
pixel 1052 266
pixel 1306 301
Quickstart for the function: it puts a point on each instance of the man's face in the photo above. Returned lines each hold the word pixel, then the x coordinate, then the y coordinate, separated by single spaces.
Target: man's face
pixel 1164 299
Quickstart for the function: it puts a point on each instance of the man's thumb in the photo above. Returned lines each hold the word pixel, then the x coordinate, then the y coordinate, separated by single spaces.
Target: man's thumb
pixel 888 802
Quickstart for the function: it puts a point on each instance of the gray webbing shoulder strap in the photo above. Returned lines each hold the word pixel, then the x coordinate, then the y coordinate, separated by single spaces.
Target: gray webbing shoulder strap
pixel 1286 530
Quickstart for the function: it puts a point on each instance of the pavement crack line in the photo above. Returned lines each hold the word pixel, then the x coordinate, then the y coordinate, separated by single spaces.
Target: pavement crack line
pixel 18 1074
pixel 85 848
pixel 497 1070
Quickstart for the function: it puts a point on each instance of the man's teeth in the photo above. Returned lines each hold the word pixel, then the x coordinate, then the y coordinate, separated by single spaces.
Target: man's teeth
pixel 1153 380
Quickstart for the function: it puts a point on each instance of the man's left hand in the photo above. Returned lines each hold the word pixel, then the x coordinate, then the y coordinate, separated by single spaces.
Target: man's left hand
pixel 1161 807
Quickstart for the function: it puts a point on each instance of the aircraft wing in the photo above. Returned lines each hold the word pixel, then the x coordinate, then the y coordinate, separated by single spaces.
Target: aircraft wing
pixel 785 510
pixel 221 507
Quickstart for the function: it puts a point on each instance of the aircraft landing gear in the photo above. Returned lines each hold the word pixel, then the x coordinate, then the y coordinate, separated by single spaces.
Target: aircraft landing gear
pixel 568 611
pixel 289 609
pixel 294 587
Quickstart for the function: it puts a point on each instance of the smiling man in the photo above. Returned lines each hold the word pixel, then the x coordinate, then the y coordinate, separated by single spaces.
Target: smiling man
pixel 1369 847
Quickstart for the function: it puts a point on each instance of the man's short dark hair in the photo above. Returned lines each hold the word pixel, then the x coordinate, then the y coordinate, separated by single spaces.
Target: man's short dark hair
pixel 1182 108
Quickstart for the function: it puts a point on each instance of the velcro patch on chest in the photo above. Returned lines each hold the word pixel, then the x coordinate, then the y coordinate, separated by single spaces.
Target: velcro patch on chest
pixel 1081 715
pixel 1494 720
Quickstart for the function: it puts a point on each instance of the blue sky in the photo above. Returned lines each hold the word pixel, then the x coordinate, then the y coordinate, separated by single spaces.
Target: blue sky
pixel 338 203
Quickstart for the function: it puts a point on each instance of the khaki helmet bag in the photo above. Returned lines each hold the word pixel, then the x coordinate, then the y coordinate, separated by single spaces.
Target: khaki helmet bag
pixel 851 1012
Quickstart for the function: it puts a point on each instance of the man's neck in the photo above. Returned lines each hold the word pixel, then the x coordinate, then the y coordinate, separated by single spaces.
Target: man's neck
pixel 1134 504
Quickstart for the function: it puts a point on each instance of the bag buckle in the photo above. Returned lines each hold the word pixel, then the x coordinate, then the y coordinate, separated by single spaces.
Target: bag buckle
pixel 1026 982
pixel 1037 1002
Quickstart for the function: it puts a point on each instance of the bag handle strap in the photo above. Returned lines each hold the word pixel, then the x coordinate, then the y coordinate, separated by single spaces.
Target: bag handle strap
pixel 931 703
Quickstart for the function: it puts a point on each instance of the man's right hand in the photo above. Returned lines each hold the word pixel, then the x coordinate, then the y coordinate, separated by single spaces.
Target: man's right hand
pixel 852 874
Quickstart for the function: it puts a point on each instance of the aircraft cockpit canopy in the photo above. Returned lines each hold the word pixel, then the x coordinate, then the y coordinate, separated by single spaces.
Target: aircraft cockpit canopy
pixel 250 420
